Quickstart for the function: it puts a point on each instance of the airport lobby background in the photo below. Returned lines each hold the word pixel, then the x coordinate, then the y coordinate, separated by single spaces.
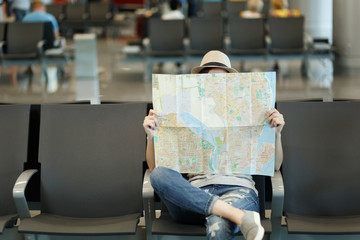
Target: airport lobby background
pixel 121 80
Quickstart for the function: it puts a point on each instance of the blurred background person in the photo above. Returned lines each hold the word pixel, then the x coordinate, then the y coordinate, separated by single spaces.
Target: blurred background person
pixel 39 14
pixel 175 11
pixel 20 8
pixel 280 9
pixel 254 9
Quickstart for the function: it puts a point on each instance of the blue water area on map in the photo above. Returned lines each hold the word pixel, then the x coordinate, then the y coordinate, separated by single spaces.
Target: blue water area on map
pixel 199 128
pixel 268 133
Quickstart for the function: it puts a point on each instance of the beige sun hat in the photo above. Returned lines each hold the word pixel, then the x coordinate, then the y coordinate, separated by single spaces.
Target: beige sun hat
pixel 214 59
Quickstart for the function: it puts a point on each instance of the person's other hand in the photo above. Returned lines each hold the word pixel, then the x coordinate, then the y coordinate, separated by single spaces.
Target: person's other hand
pixel 151 123
pixel 275 119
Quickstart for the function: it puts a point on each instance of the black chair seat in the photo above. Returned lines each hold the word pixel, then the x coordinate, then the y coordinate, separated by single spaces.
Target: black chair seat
pixel 323 225
pixel 166 226
pixel 52 224
pixel 6 220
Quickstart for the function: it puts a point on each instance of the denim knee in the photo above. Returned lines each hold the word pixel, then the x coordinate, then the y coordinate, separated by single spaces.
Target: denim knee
pixel 220 228
pixel 160 178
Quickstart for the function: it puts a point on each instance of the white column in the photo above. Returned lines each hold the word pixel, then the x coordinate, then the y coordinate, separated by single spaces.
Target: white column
pixel 346 33
pixel 318 16
pixel 85 55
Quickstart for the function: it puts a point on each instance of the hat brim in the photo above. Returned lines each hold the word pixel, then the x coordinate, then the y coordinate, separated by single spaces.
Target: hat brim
pixel 199 68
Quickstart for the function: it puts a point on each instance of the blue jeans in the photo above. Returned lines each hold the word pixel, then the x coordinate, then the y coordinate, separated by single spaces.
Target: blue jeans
pixel 191 205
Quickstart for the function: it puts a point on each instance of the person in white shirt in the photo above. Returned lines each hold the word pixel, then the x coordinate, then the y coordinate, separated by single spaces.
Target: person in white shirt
pixel 175 12
pixel 254 9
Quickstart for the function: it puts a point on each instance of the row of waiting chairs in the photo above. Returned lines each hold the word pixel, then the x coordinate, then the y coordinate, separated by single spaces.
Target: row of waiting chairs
pixel 246 39
pixel 92 178
pixel 81 14
pixel 24 43
pixel 247 36
pixel 227 8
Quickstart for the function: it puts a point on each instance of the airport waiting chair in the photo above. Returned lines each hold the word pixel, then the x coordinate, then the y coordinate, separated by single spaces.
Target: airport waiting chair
pixel 205 34
pixel 164 227
pixel 321 169
pixel 75 16
pixel 286 36
pixel 58 11
pixel 161 46
pixel 99 14
pixel 233 8
pixel 24 45
pixel 14 128
pixel 247 39
pixel 210 9
pixel 91 172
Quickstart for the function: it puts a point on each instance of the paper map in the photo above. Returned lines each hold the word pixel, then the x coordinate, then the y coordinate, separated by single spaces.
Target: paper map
pixel 215 122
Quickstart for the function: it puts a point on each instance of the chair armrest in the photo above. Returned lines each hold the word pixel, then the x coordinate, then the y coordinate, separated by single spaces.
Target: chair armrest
pixel 19 193
pixel 146 46
pixel 148 190
pixel 186 43
pixel 268 42
pixel 40 46
pixel 108 15
pixel 277 204
pixel 308 40
pixel 148 202
pixel 227 42
pixel 2 44
pixel 85 16
pixel 61 16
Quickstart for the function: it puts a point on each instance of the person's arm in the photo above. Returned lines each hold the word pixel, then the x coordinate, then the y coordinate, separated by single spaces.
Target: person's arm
pixel 276 119
pixel 150 125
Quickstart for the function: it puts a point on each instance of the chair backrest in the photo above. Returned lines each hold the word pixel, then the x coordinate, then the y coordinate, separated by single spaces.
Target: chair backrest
pixel 286 33
pixel 91 159
pixel 57 10
pixel 163 42
pixel 23 37
pixel 14 127
pixel 75 12
pixel 321 168
pixel 247 34
pixel 206 34
pixel 211 9
pixel 98 11
pixel 233 8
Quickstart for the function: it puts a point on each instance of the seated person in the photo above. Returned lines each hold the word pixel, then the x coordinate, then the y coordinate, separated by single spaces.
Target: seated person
pixel 279 10
pixel 254 9
pixel 39 14
pixel 226 204
pixel 175 12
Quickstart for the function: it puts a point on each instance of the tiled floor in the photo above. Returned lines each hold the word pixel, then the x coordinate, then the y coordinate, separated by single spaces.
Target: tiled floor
pixel 123 81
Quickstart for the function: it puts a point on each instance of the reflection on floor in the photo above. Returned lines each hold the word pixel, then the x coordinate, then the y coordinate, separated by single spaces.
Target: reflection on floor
pixel 122 81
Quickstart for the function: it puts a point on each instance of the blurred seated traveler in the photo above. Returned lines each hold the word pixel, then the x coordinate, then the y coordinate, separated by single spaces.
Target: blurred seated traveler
pixel 280 10
pixel 254 9
pixel 39 14
pixel 175 11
